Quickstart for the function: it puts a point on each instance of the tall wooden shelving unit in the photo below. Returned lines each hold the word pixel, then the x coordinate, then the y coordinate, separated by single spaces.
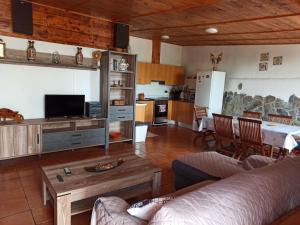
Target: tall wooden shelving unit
pixel 120 118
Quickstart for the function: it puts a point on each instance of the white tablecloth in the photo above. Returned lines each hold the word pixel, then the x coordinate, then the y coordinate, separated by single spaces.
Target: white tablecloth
pixel 275 134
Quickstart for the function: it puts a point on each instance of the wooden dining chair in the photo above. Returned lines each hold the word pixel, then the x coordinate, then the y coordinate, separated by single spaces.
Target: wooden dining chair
pixel 277 118
pixel 200 113
pixel 224 133
pixel 250 132
pixel 254 115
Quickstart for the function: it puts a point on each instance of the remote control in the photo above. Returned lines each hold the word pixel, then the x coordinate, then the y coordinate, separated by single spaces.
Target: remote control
pixel 60 178
pixel 67 171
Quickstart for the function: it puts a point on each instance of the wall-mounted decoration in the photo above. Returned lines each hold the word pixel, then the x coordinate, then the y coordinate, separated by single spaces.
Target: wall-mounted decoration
pixel 216 60
pixel 31 52
pixel 264 56
pixel 263 66
pixel 56 58
pixel 240 86
pixel 277 60
pixel 79 56
pixel 2 49
pixel 96 57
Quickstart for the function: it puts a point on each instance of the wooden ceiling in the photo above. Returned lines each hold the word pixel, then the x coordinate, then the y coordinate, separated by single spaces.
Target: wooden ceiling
pixel 240 22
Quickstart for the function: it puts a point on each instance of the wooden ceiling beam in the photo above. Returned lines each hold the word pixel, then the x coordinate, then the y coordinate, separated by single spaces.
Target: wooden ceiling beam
pixel 218 23
pixel 156 45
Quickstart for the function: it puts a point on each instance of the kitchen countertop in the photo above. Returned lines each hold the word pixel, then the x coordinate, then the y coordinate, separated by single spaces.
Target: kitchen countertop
pixel 179 100
pixel 182 100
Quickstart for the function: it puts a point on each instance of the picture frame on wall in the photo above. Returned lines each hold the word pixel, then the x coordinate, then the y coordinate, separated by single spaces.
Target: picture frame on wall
pixel 263 66
pixel 264 56
pixel 277 60
pixel 2 49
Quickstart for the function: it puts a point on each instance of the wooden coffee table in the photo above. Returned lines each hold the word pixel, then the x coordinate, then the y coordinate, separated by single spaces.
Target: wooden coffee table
pixel 78 191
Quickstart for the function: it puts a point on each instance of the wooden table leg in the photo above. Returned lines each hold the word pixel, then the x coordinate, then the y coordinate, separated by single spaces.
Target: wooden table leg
pixel 156 184
pixel 62 210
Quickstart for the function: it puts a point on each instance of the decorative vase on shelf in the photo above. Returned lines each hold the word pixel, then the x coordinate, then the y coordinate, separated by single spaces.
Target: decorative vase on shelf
pixel 123 66
pixel 31 52
pixel 79 56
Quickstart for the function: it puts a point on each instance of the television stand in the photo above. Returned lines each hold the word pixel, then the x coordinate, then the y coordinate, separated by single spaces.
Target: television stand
pixel 38 136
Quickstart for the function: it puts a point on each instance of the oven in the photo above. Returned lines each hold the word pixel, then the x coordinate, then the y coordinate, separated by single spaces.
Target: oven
pixel 160 111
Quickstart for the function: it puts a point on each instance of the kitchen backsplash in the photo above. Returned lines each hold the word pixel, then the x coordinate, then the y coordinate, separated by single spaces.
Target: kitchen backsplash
pixel 153 90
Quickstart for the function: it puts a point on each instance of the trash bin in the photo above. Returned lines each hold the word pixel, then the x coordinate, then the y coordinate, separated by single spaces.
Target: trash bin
pixel 140 131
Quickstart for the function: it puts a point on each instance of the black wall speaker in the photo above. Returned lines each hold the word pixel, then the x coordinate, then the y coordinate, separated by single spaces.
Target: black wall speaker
pixel 22 17
pixel 121 35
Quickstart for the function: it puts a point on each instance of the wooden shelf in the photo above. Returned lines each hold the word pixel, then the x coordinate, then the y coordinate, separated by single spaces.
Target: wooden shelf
pixel 121 88
pixel 18 57
pixel 120 140
pixel 116 71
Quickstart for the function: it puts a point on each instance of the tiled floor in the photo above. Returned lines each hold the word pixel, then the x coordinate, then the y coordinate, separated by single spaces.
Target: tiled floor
pixel 20 180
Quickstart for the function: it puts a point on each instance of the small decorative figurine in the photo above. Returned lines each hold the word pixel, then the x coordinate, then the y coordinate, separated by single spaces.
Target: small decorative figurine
pixel 79 56
pixel 31 52
pixel 216 60
pixel 55 58
pixel 2 49
pixel 123 65
pixel 9 114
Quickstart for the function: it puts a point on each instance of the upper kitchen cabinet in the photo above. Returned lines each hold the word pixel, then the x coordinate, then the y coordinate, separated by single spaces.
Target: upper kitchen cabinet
pixel 171 75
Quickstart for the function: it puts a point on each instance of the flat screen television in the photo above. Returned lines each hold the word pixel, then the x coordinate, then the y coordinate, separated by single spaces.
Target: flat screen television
pixel 64 105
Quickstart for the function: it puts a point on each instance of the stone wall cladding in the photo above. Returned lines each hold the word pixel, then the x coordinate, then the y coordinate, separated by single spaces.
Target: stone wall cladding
pixel 234 104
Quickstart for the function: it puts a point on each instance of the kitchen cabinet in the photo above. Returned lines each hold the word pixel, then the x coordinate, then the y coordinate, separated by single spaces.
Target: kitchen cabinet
pixel 34 142
pixel 172 75
pixel 148 111
pixel 140 112
pixel 181 111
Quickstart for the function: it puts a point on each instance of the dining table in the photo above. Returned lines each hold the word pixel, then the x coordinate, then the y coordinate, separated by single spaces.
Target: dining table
pixel 274 134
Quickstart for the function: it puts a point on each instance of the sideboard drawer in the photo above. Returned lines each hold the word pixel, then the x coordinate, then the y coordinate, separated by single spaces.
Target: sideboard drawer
pixel 121 109
pixel 120 117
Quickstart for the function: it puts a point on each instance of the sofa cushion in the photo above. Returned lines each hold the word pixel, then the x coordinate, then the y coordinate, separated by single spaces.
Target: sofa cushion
pixel 147 208
pixel 112 211
pixel 213 164
pixel 257 161
pixel 256 197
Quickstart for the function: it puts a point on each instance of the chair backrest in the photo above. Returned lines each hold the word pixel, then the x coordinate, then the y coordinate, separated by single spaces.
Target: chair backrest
pixel 280 119
pixel 200 112
pixel 250 131
pixel 223 126
pixel 254 115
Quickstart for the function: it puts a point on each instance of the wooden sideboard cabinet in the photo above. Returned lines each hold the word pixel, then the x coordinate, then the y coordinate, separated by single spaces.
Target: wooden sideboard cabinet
pixel 13 141
pixel 37 136
pixel 6 141
pixel 34 139
pixel 20 140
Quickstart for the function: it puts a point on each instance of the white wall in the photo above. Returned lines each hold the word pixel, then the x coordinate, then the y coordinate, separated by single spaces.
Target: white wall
pixel 170 54
pixel 22 88
pixel 241 65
